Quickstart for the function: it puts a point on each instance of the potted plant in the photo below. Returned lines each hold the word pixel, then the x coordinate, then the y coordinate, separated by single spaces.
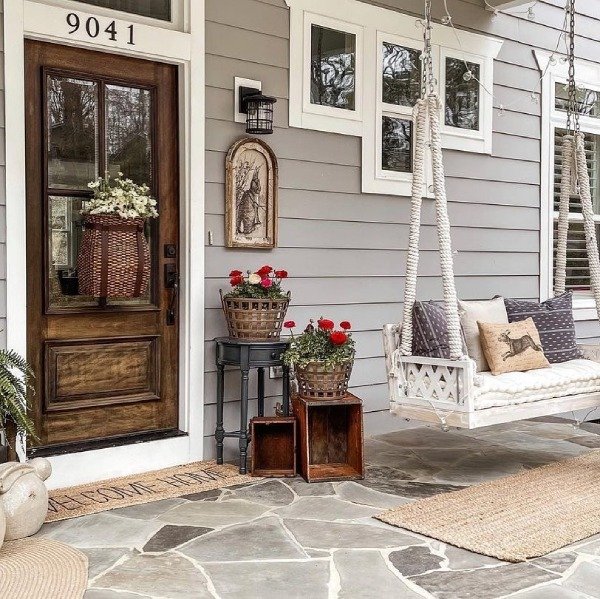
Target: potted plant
pixel 322 358
pixel 114 259
pixel 15 375
pixel 255 308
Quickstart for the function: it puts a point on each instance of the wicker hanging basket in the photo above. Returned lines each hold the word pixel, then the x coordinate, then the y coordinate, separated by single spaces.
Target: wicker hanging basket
pixel 256 319
pixel 317 381
pixel 114 259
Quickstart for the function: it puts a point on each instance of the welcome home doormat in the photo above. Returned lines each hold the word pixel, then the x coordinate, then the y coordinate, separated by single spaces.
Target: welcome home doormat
pixel 136 489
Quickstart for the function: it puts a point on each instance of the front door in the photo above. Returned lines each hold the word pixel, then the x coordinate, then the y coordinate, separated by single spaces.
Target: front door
pixel 105 371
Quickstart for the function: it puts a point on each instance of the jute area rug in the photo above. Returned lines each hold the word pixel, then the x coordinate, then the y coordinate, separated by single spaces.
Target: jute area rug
pixel 141 488
pixel 42 569
pixel 515 518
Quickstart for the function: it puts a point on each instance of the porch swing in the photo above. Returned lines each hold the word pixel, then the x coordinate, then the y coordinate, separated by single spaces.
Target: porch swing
pixel 450 391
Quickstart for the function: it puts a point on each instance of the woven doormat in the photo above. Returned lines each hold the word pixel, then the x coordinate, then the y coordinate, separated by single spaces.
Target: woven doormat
pixel 42 569
pixel 106 495
pixel 515 518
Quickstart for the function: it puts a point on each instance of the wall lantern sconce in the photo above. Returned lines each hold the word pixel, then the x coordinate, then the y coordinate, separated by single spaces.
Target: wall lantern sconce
pixel 258 109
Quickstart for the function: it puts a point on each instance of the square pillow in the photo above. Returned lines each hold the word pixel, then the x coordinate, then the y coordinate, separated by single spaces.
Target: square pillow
pixel 430 330
pixel 554 321
pixel 486 311
pixel 513 347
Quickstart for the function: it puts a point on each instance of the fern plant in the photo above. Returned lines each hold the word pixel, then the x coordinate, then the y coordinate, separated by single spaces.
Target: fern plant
pixel 15 377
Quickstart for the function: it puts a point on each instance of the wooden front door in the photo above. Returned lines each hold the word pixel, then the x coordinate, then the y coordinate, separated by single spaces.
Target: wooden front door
pixel 103 370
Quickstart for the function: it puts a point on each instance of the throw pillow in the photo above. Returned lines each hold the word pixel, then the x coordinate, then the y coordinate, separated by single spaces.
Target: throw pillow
pixel 430 330
pixel 554 321
pixel 485 311
pixel 513 347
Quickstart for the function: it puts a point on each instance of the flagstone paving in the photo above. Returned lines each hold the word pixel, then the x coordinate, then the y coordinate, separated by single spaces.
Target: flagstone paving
pixel 287 539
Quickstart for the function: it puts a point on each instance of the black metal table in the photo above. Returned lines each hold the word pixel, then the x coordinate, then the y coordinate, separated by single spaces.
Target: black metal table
pixel 245 355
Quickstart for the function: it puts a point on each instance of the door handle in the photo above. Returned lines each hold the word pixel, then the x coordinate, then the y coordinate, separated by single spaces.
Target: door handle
pixel 172 283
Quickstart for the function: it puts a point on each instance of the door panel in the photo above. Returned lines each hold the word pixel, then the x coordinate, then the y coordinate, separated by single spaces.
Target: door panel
pixel 101 369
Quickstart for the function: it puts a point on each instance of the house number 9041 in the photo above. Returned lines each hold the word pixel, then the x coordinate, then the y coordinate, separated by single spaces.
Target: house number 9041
pixel 92 27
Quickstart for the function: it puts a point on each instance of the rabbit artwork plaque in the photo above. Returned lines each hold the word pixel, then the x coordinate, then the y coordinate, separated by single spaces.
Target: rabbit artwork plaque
pixel 251 195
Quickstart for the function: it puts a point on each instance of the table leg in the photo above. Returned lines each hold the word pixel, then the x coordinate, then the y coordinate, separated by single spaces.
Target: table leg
pixel 261 391
pixel 286 390
pixel 244 422
pixel 220 431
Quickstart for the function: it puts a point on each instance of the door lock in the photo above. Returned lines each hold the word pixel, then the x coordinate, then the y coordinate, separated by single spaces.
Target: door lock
pixel 172 283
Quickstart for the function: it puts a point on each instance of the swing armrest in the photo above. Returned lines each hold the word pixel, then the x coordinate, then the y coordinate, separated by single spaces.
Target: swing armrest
pixel 590 351
pixel 391 341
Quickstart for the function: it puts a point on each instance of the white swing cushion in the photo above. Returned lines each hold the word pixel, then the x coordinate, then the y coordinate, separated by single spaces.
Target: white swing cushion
pixel 558 380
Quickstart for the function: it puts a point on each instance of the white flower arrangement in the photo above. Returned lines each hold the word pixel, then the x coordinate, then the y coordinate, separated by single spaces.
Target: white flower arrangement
pixel 121 197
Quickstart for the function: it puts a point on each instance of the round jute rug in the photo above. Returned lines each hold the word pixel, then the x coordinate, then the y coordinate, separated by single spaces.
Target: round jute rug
pixel 42 569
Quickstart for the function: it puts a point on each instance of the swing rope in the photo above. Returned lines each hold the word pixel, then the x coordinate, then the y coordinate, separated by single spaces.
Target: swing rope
pixel 575 179
pixel 426 118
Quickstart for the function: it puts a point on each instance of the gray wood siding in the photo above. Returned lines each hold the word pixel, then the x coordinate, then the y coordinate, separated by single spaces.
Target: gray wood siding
pixel 345 250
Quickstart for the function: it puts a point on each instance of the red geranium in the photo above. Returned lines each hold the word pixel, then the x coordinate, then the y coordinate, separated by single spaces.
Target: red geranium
pixel 289 324
pixel 263 271
pixel 325 324
pixel 236 280
pixel 281 274
pixel 266 283
pixel 235 273
pixel 338 337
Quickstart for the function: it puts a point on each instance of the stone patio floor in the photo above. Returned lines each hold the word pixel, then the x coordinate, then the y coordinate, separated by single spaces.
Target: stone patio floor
pixel 288 539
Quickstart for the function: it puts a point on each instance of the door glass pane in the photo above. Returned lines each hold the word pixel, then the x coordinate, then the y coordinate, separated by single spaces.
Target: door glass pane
pixel 462 94
pixel 587 101
pixel 156 9
pixel 401 72
pixel 72 117
pixel 333 63
pixel 396 142
pixel 128 133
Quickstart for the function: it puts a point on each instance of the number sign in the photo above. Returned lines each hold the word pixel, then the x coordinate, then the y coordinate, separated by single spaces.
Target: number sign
pixel 92 27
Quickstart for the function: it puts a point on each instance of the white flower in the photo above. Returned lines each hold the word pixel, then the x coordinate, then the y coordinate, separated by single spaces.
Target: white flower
pixel 254 279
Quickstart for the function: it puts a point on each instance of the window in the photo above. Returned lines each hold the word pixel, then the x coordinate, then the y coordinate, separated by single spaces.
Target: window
pixel 155 9
pixel 362 77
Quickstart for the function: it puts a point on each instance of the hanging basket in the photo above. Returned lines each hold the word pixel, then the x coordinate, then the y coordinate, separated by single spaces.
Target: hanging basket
pixel 256 319
pixel 114 259
pixel 317 381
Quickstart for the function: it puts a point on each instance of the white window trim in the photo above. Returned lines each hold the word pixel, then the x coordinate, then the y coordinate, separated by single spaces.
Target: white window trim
pixel 588 74
pixel 27 19
pixel 371 24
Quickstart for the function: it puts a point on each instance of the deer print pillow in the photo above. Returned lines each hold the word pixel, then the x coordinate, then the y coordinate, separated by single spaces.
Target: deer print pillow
pixel 513 347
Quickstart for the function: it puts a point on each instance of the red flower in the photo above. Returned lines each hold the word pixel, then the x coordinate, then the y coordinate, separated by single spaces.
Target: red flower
pixel 345 325
pixel 236 280
pixel 338 338
pixel 266 282
pixel 281 274
pixel 265 270
pixel 289 324
pixel 325 324
pixel 235 273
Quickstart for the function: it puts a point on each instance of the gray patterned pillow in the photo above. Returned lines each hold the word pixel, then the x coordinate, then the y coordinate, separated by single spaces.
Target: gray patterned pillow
pixel 554 321
pixel 430 331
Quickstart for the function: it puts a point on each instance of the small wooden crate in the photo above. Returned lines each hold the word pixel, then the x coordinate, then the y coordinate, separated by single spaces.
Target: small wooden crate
pixel 273 446
pixel 330 438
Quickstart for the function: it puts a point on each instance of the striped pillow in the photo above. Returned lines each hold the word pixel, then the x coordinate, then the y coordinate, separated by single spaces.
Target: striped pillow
pixel 554 321
pixel 430 331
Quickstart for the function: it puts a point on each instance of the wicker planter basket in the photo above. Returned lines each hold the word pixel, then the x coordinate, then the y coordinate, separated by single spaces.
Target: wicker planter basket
pixel 250 318
pixel 315 381
pixel 114 259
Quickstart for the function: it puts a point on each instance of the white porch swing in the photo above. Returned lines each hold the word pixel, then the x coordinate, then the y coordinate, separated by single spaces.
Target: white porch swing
pixel 449 391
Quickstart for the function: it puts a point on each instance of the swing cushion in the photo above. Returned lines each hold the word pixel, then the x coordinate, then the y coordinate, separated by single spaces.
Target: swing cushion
pixel 430 330
pixel 558 380
pixel 554 321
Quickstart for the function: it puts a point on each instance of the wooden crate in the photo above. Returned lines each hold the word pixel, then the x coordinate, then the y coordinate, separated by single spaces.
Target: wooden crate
pixel 273 446
pixel 330 438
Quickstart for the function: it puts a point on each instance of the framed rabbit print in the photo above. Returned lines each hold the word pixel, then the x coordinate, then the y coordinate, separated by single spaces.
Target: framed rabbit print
pixel 251 195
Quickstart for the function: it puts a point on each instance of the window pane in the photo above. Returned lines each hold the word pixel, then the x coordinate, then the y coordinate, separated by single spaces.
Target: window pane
pixel 578 277
pixel 128 142
pixel 587 101
pixel 72 116
pixel 333 63
pixel 462 97
pixel 156 9
pixel 396 144
pixel 401 71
